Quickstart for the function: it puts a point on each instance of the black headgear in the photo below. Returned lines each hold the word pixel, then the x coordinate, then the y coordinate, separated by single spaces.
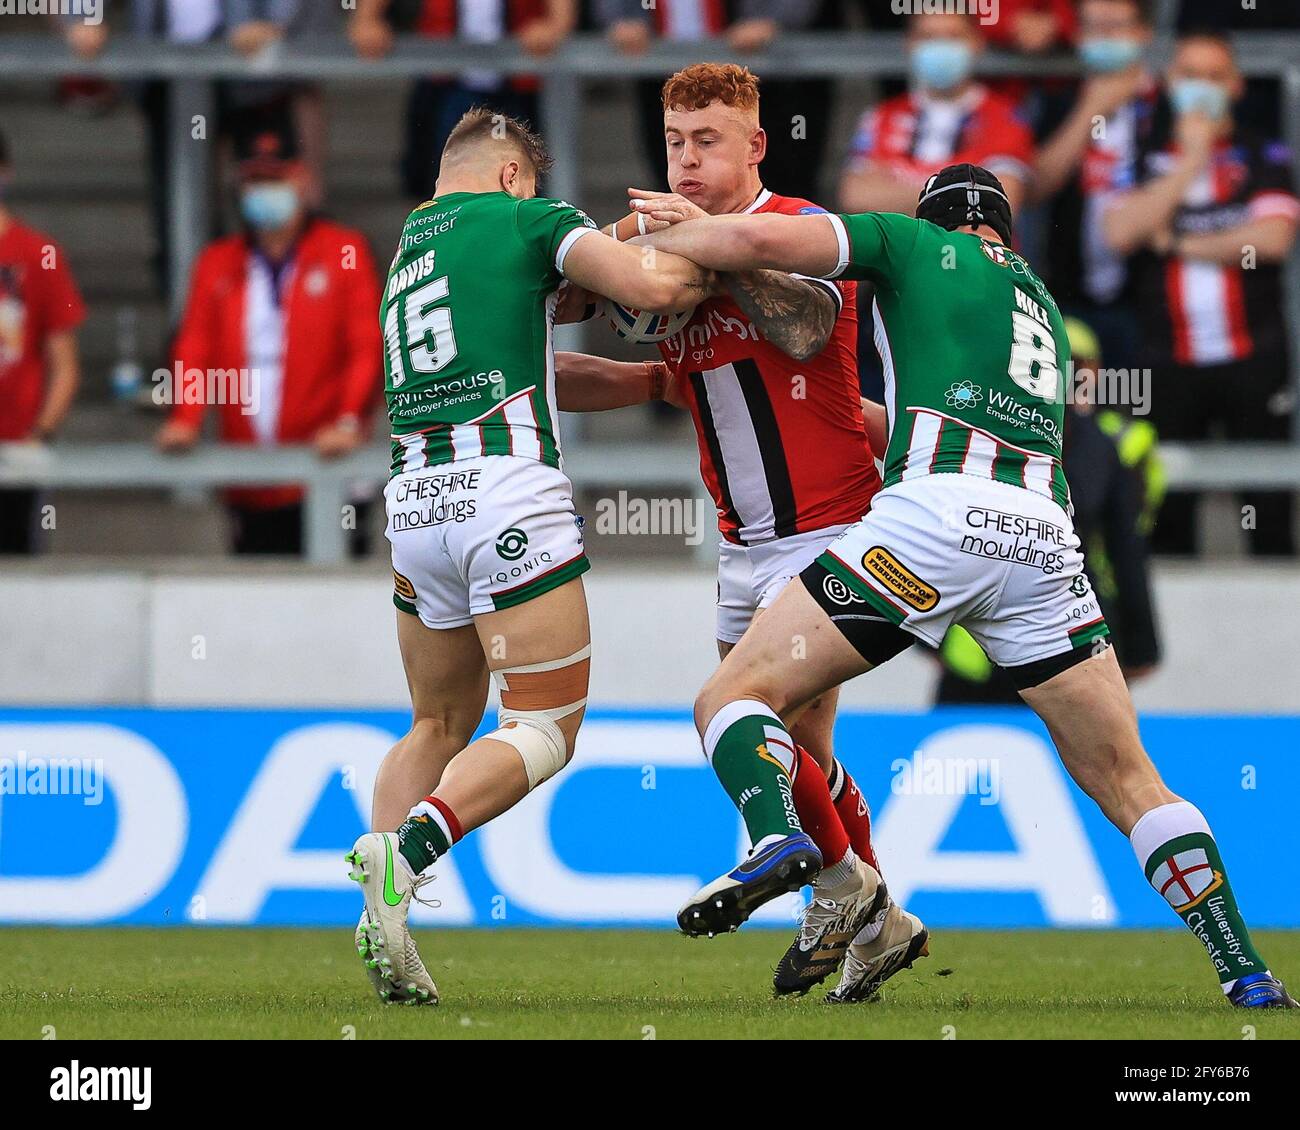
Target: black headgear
pixel 965 194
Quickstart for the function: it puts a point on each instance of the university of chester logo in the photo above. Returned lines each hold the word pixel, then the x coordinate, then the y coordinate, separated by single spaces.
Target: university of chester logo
pixel 1079 586
pixel 963 394
pixel 512 544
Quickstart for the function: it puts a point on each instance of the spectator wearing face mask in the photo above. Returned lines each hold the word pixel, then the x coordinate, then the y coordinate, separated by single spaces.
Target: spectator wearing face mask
pixel 1093 138
pixel 1209 214
pixel 945 117
pixel 289 304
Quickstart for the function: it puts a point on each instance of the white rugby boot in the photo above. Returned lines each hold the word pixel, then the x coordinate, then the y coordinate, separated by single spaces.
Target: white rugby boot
pixel 383 941
pixel 829 923
pixel 888 944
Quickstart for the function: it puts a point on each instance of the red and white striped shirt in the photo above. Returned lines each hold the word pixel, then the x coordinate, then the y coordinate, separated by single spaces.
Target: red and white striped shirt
pixel 1213 313
pixel 782 446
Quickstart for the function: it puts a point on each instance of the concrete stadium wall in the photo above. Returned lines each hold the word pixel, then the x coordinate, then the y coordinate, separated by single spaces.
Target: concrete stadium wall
pixel 285 637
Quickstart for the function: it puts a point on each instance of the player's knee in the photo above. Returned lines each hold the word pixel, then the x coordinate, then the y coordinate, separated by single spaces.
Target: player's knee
pixel 719 691
pixel 539 741
pixel 711 699
pixel 440 726
pixel 542 705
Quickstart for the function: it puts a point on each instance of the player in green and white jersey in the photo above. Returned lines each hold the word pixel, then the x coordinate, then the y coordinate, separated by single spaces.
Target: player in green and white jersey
pixel 972 527
pixel 487 550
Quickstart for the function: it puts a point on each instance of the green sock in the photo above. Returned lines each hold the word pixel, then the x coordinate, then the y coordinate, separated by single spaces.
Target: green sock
pixel 1181 861
pixel 753 755
pixel 421 840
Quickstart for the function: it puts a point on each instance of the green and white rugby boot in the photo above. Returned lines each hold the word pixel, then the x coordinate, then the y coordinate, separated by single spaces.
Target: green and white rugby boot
pixel 384 942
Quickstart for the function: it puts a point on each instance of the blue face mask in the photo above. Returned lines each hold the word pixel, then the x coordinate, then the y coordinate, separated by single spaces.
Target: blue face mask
pixel 941 64
pixel 1106 54
pixel 1198 95
pixel 267 207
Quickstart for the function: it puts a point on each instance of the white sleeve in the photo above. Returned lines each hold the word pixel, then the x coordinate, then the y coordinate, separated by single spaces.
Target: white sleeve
pixel 842 237
pixel 566 245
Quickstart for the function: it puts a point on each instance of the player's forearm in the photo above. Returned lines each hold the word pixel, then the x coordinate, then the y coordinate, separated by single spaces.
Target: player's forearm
pixel 876 424
pixel 596 384
pixel 805 245
pixel 677 283
pixel 797 317
pixel 1266 240
pixel 722 243
pixel 626 227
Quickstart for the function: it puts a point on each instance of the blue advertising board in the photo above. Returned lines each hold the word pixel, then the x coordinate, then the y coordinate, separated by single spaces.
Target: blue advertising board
pixel 243 816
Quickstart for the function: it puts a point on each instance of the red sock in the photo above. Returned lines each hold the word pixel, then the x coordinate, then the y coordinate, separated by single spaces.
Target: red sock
pixel 812 800
pixel 854 815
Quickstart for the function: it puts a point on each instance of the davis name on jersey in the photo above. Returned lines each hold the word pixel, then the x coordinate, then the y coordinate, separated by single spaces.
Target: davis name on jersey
pixel 467 317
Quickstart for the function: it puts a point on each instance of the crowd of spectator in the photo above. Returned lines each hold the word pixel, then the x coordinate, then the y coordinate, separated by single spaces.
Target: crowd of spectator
pixel 1160 206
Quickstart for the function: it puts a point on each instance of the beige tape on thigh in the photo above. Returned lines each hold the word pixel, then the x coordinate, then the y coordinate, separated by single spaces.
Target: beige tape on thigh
pixel 556 687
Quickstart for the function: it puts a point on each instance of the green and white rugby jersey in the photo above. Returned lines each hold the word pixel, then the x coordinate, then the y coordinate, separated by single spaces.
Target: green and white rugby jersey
pixel 974 351
pixel 467 316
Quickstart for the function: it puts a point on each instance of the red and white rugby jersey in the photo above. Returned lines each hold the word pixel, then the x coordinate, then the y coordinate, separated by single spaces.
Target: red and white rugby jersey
pixel 915 134
pixel 1213 313
pixel 782 447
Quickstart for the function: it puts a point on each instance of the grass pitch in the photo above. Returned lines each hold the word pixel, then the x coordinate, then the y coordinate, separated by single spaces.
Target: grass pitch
pixel 253 984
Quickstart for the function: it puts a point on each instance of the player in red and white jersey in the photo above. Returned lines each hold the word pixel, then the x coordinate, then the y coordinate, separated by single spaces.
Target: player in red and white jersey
pixel 767 369
pixel 780 433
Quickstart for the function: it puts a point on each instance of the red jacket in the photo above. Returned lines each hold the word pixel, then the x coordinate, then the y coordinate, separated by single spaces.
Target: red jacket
pixel 333 347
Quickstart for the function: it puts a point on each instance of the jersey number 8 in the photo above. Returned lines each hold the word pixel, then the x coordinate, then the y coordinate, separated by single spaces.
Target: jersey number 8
pixel 429 339
pixel 1033 348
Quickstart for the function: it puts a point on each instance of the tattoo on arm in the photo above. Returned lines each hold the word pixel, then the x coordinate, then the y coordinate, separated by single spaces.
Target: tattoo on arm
pixel 795 316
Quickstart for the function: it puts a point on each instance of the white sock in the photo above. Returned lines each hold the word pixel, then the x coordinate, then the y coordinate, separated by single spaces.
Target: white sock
pixel 1163 823
pixel 837 873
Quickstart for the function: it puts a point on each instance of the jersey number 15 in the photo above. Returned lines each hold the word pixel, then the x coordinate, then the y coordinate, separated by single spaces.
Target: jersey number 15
pixel 419 328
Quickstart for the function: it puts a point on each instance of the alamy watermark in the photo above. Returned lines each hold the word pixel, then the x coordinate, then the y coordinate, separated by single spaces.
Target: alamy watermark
pixel 179 385
pixel 53 776
pixel 88 11
pixel 925 775
pixel 686 518
pixel 1104 387
pixel 986 10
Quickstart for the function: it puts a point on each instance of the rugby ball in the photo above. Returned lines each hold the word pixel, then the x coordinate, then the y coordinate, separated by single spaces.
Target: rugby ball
pixel 643 327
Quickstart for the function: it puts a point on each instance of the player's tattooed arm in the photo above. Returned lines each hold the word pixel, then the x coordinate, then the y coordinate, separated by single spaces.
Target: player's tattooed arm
pixel 794 315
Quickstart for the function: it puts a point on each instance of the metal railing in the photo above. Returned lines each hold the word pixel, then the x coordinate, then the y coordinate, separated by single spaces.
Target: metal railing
pixel 329 484
pixel 190 70
pixel 584 57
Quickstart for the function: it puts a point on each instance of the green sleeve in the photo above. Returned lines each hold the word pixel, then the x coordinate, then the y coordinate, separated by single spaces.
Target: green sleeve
pixel 546 225
pixel 879 246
